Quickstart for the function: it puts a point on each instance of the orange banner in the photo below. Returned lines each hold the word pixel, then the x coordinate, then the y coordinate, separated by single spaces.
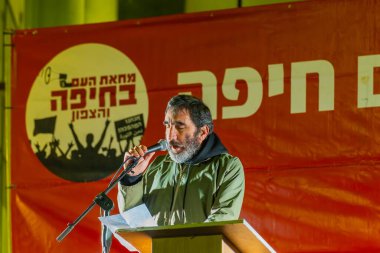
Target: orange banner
pixel 293 89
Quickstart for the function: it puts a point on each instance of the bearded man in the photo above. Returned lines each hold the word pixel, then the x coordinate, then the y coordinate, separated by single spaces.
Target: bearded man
pixel 197 181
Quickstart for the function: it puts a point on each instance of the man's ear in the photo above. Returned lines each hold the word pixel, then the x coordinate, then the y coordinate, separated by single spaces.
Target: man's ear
pixel 203 133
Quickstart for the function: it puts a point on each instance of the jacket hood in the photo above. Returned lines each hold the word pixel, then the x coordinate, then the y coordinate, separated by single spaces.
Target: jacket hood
pixel 212 146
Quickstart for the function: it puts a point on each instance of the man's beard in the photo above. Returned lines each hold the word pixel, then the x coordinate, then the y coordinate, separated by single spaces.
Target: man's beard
pixel 191 148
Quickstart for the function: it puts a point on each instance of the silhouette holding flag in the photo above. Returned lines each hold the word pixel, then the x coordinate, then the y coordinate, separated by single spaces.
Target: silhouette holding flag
pixel 44 126
pixel 89 161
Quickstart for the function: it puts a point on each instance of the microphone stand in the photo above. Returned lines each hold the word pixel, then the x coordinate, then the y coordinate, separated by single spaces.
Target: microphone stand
pixel 103 201
pixel 106 237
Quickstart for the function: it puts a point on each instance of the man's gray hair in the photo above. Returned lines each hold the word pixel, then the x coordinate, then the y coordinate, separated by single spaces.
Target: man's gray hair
pixel 199 112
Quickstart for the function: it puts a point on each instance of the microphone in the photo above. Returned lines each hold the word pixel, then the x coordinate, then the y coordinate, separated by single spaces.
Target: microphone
pixel 162 145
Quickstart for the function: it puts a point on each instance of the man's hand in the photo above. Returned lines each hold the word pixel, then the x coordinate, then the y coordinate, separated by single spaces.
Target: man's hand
pixel 143 161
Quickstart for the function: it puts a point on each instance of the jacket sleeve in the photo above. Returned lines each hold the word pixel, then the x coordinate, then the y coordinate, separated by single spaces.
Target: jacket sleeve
pixel 130 196
pixel 132 188
pixel 229 196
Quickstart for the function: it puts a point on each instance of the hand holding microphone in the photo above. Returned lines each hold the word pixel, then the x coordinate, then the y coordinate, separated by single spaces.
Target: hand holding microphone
pixel 144 155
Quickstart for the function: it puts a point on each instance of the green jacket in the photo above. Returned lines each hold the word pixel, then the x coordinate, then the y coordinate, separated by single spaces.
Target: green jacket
pixel 210 187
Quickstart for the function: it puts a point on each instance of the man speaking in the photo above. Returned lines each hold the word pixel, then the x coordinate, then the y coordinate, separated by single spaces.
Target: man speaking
pixel 197 181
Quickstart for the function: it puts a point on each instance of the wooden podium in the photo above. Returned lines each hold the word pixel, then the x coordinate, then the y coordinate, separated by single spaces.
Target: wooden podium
pixel 213 237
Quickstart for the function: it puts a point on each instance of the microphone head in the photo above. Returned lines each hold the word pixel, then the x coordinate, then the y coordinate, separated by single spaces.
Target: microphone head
pixel 163 145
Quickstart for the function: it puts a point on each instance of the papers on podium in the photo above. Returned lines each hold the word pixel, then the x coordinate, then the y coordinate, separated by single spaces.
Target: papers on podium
pixel 136 217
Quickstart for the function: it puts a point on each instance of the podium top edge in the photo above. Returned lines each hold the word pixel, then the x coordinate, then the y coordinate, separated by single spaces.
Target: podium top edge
pixel 188 225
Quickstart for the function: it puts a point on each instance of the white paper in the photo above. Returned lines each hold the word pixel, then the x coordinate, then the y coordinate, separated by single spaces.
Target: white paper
pixel 136 217
pixel 114 222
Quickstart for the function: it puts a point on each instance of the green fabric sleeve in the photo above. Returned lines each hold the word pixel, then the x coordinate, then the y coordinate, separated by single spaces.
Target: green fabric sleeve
pixel 130 196
pixel 229 198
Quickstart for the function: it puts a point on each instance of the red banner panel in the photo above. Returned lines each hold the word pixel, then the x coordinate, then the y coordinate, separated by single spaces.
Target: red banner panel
pixel 293 89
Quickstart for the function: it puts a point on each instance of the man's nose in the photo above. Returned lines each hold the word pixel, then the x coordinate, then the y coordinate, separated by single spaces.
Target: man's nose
pixel 171 133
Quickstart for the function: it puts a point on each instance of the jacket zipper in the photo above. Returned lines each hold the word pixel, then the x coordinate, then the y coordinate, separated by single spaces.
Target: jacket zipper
pixel 181 172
